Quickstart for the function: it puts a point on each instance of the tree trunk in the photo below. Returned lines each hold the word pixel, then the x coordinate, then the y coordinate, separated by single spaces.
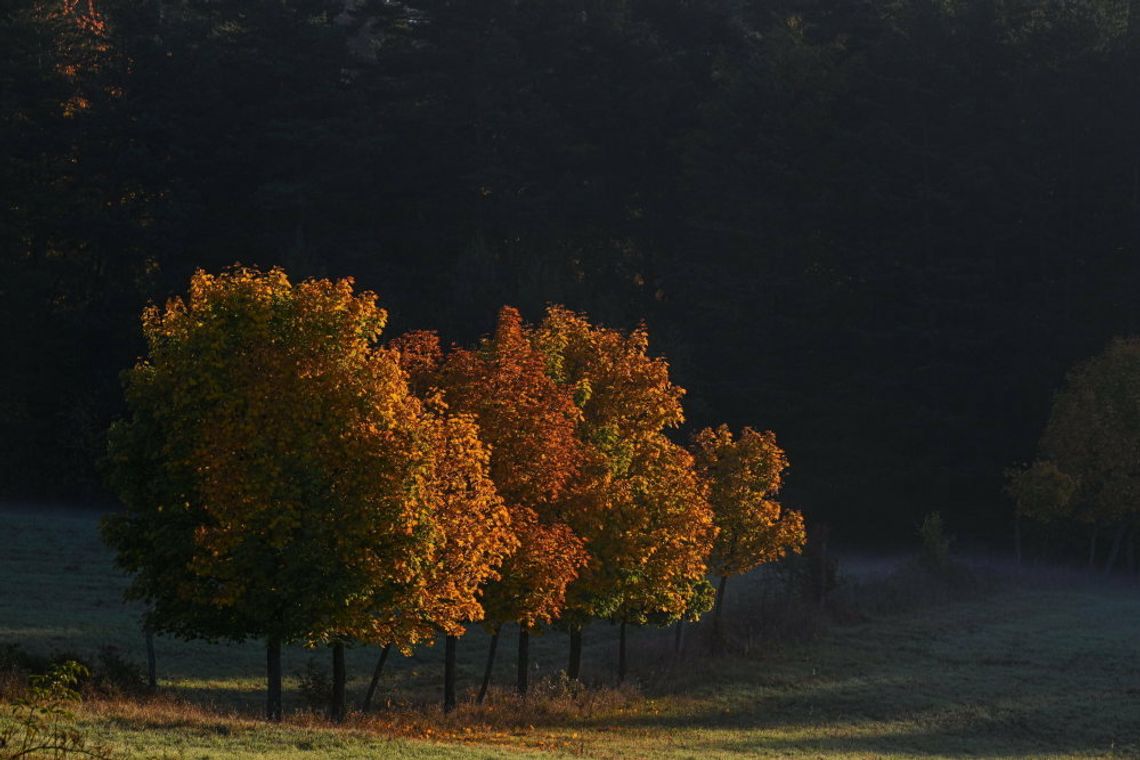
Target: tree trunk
pixel 677 635
pixel 151 666
pixel 1092 547
pixel 336 709
pixel 621 653
pixel 524 660
pixel 719 599
pixel 449 674
pixel 489 668
pixel 273 673
pixel 1114 552
pixel 574 667
pixel 367 704
pixel 716 612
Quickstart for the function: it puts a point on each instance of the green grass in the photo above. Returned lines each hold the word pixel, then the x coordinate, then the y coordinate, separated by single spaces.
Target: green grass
pixel 1037 668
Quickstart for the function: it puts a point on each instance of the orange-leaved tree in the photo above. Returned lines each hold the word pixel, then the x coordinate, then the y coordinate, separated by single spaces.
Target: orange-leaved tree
pixel 744 475
pixel 532 590
pixel 272 465
pixel 530 422
pixel 636 499
pixel 476 536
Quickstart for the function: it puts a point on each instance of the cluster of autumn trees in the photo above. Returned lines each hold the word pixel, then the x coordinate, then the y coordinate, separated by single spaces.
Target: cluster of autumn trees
pixel 288 477
pixel 1087 473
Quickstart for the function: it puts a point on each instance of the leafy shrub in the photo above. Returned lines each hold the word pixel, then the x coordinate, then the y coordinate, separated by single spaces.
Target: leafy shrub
pixel 558 687
pixel 935 554
pixel 553 700
pixel 315 685
pixel 19 668
pixel 38 723
pixel 111 674
pixel 116 675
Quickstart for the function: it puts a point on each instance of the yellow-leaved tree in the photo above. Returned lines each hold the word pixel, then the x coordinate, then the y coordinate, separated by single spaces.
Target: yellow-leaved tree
pixel 636 498
pixel 279 479
pixel 1088 465
pixel 744 475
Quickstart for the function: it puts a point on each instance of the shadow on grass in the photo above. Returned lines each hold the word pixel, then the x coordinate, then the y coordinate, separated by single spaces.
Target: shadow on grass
pixel 1017 674
pixel 1038 667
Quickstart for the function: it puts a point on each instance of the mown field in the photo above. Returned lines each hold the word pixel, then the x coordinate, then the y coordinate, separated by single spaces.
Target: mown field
pixel 1040 665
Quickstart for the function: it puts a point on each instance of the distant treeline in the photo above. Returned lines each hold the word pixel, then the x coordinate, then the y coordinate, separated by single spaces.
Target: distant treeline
pixel 882 228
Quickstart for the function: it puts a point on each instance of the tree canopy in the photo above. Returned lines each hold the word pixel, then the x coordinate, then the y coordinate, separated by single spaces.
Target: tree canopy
pixel 636 500
pixel 281 481
pixel 744 475
pixel 529 422
pixel 1089 464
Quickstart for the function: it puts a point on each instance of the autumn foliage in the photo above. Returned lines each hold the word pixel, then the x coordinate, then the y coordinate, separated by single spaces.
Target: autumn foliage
pixel 282 482
pixel 475 536
pixel 636 499
pixel 526 417
pixel 275 449
pixel 624 393
pixel 529 422
pixel 287 477
pixel 532 587
pixel 744 475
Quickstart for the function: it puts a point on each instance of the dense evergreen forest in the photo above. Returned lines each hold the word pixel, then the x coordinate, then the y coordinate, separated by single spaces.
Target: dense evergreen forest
pixel 882 228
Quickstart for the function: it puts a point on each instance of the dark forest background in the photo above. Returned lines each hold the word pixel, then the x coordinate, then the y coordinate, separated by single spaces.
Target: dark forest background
pixel 883 229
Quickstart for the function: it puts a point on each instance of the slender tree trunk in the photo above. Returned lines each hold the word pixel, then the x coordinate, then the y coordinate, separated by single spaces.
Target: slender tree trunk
pixel 678 633
pixel 151 665
pixel 449 674
pixel 716 612
pixel 337 709
pixel 1114 552
pixel 621 653
pixel 1017 538
pixel 524 660
pixel 1092 547
pixel 574 667
pixel 367 704
pixel 273 673
pixel 720 598
pixel 490 666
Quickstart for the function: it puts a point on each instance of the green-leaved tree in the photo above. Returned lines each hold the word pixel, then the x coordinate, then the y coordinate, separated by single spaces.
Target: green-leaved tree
pixel 274 468
pixel 1088 468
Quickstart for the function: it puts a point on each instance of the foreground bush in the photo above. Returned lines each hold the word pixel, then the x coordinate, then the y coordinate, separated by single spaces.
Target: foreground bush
pixel 38 723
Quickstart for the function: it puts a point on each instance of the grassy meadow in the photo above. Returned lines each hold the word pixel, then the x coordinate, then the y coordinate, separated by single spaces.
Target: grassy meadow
pixel 1038 665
